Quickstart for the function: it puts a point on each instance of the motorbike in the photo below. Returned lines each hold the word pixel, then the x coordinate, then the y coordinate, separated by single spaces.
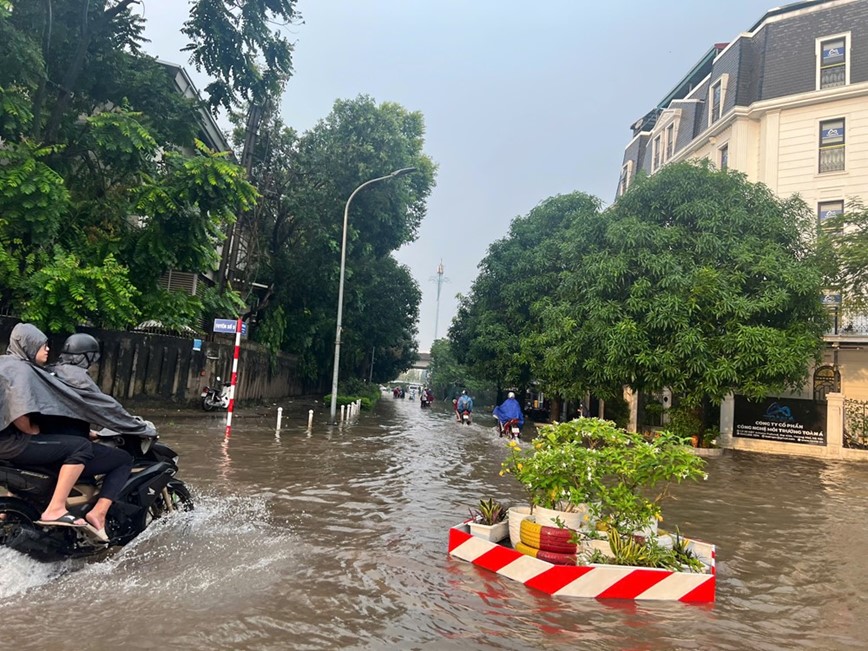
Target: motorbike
pixel 424 401
pixel 510 429
pixel 466 417
pixel 212 398
pixel 151 493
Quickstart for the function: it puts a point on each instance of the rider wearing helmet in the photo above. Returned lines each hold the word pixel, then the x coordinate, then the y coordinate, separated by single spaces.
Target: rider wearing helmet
pixel 509 410
pixel 79 352
pixel 465 403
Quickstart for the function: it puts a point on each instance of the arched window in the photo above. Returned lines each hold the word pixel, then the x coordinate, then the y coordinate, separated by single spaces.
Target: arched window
pixel 827 379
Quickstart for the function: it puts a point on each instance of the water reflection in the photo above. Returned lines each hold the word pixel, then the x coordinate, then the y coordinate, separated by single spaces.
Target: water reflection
pixel 334 537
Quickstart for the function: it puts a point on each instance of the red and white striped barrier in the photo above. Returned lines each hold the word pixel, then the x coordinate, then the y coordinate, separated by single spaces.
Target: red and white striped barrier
pixel 593 581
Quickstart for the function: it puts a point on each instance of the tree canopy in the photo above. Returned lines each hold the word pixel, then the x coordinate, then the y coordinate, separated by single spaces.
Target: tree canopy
pixel 305 181
pixel 696 280
pixel 101 201
pixel 494 329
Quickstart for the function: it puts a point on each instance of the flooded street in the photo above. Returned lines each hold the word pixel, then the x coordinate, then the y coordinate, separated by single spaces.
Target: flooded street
pixel 336 539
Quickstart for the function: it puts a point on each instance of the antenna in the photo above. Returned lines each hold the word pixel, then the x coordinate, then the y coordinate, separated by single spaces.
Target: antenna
pixel 439 279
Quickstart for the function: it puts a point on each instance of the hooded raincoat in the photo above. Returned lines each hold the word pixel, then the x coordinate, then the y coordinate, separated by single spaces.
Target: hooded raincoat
pixel 26 388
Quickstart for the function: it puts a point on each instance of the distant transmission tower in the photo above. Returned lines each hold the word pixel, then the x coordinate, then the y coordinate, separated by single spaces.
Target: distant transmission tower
pixel 439 279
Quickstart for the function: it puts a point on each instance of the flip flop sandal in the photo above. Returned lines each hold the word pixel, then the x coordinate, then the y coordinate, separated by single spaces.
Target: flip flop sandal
pixel 99 534
pixel 65 520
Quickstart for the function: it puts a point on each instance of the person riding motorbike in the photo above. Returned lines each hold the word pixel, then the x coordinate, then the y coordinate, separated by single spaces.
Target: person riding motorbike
pixel 79 352
pixel 31 438
pixel 464 403
pixel 508 411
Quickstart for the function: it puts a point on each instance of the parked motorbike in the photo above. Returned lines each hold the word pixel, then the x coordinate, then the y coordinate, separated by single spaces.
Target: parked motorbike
pixel 151 493
pixel 510 429
pixel 212 398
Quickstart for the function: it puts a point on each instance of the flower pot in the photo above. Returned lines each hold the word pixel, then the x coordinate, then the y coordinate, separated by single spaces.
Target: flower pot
pixel 491 533
pixel 589 546
pixel 648 530
pixel 578 518
pixel 516 514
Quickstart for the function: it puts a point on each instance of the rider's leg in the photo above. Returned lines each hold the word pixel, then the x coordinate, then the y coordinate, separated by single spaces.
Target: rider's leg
pixel 50 449
pixel 116 465
pixel 66 478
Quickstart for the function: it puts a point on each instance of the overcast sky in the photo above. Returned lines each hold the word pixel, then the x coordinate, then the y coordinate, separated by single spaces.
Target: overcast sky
pixel 522 100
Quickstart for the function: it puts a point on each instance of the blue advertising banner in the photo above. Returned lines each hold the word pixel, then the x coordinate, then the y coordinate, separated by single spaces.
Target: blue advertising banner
pixel 833 55
pixel 832 136
pixel 227 326
pixel 786 420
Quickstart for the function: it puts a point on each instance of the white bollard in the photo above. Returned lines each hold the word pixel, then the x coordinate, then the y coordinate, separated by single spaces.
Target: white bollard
pixel 310 418
pixel 342 411
pixel 279 416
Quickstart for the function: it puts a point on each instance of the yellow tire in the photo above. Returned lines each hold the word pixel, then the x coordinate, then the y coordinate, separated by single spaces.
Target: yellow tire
pixel 549 557
pixel 547 539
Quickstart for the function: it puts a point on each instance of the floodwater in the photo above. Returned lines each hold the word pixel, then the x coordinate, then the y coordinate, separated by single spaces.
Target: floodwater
pixel 336 539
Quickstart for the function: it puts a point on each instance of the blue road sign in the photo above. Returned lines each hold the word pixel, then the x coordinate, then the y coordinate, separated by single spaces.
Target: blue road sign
pixel 227 326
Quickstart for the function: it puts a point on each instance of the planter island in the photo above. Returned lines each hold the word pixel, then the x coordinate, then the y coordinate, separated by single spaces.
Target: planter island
pixel 596 581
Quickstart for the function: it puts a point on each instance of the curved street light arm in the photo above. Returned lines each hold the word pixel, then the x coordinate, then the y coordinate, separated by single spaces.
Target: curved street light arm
pixel 395 174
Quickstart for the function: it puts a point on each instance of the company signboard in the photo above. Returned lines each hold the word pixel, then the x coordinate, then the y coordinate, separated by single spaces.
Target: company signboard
pixel 786 420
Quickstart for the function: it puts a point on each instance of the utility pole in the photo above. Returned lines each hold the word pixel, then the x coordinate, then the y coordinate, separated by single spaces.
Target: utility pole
pixel 439 279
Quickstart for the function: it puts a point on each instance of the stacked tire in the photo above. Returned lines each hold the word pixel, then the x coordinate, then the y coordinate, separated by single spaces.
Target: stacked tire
pixel 549 544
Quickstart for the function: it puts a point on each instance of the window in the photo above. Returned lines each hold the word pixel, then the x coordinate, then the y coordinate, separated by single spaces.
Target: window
pixel 827 210
pixel 670 140
pixel 724 157
pixel 624 181
pixel 716 102
pixel 832 145
pixel 832 62
pixel 656 154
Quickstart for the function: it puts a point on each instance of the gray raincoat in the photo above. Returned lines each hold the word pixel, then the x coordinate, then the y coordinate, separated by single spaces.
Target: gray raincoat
pixel 26 388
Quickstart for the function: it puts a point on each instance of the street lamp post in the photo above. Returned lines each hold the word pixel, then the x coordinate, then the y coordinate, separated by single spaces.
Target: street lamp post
pixel 395 174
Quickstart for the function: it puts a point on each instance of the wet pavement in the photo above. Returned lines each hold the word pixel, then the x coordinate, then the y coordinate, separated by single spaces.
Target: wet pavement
pixel 335 538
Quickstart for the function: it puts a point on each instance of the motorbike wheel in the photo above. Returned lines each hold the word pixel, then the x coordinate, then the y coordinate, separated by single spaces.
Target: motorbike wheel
pixel 15 514
pixel 180 497
pixel 207 404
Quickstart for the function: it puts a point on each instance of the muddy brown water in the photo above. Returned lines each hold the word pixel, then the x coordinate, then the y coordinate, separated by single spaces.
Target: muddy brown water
pixel 336 539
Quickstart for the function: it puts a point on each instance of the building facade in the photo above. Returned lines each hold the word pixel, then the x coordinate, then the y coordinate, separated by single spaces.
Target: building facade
pixel 786 103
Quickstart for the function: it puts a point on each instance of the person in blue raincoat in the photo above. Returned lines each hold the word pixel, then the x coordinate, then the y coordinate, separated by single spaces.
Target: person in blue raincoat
pixel 509 410
pixel 464 403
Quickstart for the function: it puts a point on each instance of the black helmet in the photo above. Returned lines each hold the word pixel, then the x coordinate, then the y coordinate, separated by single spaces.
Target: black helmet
pixel 80 349
pixel 79 344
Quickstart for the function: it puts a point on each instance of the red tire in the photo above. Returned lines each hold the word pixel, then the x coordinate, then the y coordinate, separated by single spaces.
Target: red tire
pixel 547 539
pixel 549 557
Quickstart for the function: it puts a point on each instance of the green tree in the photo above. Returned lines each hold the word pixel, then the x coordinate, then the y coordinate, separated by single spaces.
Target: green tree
pixel 494 331
pixel 99 204
pixel 843 244
pixel 446 373
pixel 701 282
pixel 305 180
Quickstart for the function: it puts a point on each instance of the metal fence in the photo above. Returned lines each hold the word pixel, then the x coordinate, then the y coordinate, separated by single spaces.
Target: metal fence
pixel 856 424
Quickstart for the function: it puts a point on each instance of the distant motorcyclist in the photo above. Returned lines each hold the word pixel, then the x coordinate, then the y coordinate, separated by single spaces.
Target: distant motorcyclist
pixel 464 403
pixel 507 411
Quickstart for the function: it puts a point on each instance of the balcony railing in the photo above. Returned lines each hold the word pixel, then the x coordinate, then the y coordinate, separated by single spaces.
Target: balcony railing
pixel 832 77
pixel 832 159
pixel 851 324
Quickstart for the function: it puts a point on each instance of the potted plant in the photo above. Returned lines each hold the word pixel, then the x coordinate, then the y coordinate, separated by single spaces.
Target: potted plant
pixel 488 521
pixel 617 478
